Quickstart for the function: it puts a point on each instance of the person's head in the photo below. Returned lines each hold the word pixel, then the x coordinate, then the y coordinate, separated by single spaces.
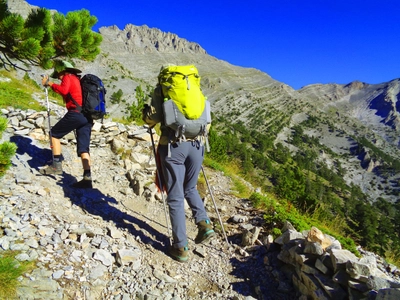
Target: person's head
pixel 61 67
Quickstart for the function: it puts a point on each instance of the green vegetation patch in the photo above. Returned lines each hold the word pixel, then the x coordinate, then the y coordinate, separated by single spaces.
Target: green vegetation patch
pixel 10 271
pixel 18 93
pixel 239 188
pixel 278 212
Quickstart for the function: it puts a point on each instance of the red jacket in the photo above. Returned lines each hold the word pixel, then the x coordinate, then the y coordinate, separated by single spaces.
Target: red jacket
pixel 70 85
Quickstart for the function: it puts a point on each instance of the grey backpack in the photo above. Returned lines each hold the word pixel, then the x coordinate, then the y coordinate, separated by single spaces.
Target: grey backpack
pixel 183 128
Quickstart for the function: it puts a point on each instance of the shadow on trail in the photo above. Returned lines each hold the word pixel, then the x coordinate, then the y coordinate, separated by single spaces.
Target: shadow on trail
pixel 39 156
pixel 94 202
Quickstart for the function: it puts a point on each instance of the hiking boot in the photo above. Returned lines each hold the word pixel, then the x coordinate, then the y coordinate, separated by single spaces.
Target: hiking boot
pixel 85 183
pixel 54 169
pixel 206 231
pixel 179 254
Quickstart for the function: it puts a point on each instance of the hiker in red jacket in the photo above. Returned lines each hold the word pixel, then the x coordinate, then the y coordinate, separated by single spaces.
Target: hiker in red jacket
pixel 70 90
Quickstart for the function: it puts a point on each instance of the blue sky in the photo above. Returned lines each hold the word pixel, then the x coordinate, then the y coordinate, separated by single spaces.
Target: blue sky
pixel 295 42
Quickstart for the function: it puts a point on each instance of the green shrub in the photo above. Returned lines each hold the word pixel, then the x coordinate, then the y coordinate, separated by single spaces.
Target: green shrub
pixel 276 232
pixel 116 97
pixel 7 149
pixel 10 271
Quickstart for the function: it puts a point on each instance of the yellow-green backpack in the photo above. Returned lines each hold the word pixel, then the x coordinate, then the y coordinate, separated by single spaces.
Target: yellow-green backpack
pixel 186 111
pixel 181 84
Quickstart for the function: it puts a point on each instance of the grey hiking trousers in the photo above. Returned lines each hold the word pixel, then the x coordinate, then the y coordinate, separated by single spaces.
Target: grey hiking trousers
pixel 181 171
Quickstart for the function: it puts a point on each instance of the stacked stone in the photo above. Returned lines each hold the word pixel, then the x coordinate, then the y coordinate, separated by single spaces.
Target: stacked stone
pixel 321 269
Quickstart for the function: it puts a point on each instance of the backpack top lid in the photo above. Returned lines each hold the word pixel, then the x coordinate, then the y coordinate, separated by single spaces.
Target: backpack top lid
pixel 168 69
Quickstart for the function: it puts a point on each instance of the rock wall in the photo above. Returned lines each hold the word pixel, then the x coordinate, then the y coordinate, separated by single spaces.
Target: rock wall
pixel 321 269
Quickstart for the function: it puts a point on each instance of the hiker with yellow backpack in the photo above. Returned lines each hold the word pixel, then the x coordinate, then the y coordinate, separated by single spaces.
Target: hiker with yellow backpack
pixel 179 105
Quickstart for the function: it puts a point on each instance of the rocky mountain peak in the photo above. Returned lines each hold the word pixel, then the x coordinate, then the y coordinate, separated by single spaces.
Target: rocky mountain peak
pixel 136 39
pixel 20 7
pixel 355 85
pixel 142 39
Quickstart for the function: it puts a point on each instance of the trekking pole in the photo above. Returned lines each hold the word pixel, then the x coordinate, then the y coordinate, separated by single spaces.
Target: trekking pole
pixel 161 184
pixel 216 209
pixel 48 118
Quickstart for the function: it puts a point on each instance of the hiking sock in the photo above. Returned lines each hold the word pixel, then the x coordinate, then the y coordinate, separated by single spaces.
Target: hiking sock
pixel 57 157
pixel 86 181
pixel 87 174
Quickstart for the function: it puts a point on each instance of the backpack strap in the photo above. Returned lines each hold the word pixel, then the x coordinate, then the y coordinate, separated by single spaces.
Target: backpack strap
pixel 205 137
pixel 176 136
pixel 179 137
pixel 78 107
pixel 180 134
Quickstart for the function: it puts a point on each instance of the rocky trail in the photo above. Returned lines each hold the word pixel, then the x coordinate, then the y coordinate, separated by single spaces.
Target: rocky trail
pixel 110 242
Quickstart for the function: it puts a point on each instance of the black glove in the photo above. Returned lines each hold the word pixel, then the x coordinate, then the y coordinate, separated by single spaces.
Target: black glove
pixel 146 112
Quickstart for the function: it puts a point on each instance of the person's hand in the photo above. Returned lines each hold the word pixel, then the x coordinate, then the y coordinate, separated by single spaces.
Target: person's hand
pixel 147 112
pixel 45 80
pixel 146 109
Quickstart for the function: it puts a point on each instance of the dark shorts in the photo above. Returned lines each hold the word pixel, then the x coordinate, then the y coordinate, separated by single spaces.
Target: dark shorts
pixel 74 121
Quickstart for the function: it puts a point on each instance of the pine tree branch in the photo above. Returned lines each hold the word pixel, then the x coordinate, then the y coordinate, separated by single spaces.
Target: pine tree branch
pixel 7 63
